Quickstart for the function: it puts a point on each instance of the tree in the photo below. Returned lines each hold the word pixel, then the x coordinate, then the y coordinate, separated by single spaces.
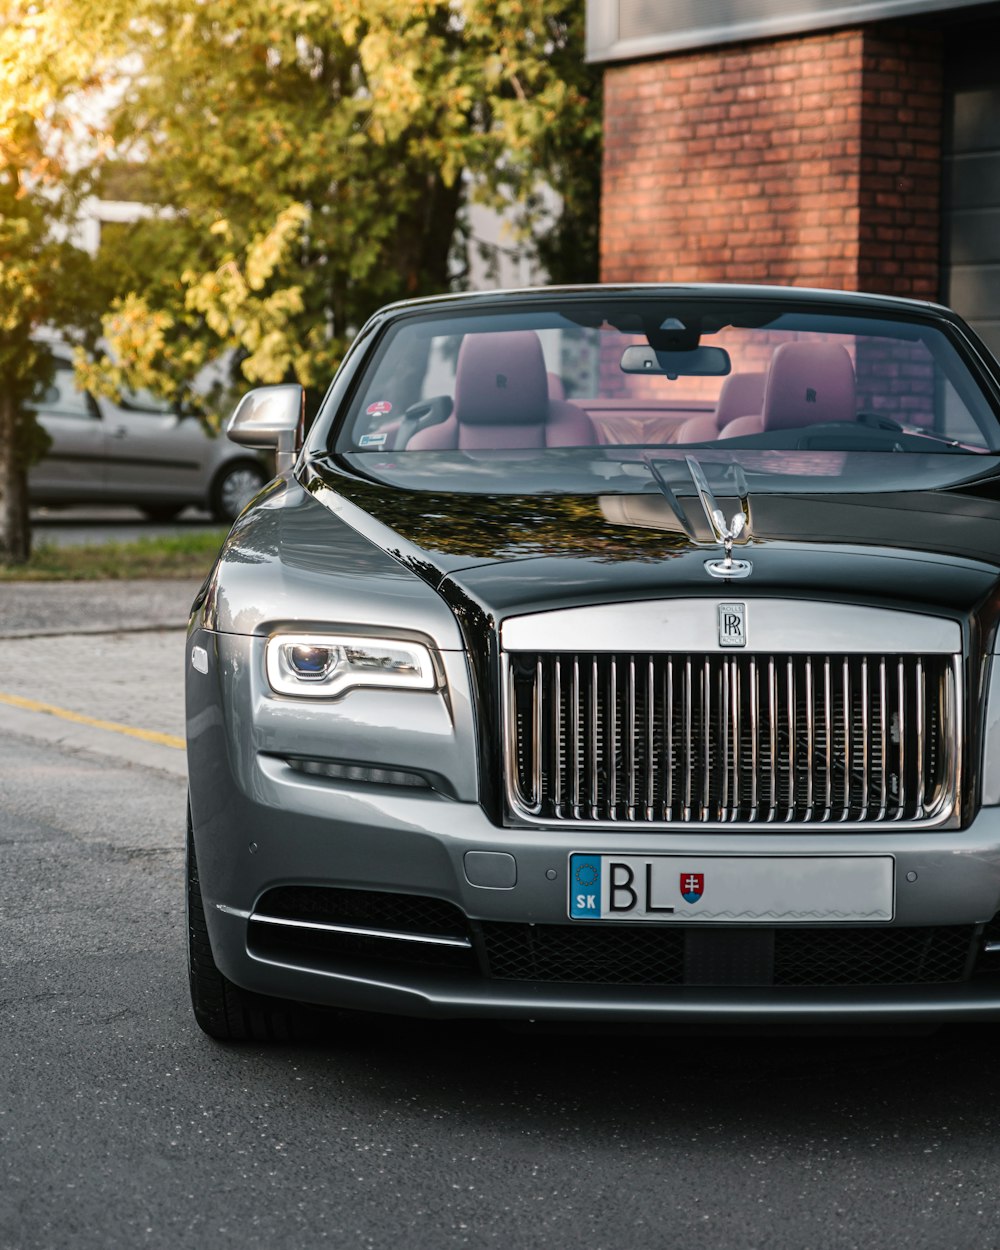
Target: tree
pixel 42 277
pixel 313 159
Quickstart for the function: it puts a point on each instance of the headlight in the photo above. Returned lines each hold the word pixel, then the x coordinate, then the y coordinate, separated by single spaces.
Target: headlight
pixel 322 666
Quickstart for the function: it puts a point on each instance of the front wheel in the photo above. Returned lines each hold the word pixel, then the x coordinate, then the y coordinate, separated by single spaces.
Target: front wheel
pixel 223 1010
pixel 233 488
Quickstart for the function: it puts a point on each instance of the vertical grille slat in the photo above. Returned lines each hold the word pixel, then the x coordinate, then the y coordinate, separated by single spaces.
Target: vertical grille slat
pixel 792 743
pixel 631 763
pixel 865 745
pixel 724 808
pixel 754 739
pixel 810 722
pixel 883 789
pixel 611 742
pixel 595 742
pixel 901 730
pixel 688 740
pixel 575 710
pixel 558 742
pixel 706 740
pixel 921 719
pixel 848 737
pixel 668 720
pixel 654 758
pixel 662 738
pixel 827 742
pixel 772 717
pixel 536 726
pixel 735 670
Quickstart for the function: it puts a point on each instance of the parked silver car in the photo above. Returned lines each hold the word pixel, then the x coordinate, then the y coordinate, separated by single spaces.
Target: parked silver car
pixel 136 452
pixel 615 653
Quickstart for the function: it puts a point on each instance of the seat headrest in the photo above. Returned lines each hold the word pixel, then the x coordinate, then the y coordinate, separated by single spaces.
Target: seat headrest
pixel 809 383
pixel 742 395
pixel 500 379
pixel 557 388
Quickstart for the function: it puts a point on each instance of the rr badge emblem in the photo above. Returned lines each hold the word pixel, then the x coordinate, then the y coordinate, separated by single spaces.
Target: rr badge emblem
pixel 692 886
pixel 732 624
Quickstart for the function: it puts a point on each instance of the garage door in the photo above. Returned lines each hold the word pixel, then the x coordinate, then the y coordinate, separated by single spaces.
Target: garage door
pixel 972 191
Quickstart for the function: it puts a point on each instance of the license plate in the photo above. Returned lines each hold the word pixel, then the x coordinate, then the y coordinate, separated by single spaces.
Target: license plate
pixel 747 889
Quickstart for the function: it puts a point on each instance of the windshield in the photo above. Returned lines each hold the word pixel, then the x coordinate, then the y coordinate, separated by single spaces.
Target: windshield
pixel 595 394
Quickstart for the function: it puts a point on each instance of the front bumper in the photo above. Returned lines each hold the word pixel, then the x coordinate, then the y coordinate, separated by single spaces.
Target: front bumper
pixel 293 830
pixel 260 825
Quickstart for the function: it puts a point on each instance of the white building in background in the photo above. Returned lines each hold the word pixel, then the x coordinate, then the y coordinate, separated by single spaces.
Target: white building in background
pixel 498 259
pixel 96 213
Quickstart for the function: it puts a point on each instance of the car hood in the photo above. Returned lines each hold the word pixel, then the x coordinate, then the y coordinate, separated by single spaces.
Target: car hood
pixel 938 549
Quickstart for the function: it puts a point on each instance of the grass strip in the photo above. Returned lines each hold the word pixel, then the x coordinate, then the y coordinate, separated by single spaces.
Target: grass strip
pixel 180 555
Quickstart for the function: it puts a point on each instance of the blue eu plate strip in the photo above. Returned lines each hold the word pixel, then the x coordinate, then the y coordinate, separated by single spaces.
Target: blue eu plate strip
pixel 585 887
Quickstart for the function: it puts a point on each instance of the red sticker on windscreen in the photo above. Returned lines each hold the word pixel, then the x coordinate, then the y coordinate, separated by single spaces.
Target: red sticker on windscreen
pixel 379 409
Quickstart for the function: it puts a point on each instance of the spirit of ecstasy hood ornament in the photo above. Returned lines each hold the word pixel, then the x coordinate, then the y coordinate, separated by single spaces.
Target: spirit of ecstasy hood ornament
pixel 726 534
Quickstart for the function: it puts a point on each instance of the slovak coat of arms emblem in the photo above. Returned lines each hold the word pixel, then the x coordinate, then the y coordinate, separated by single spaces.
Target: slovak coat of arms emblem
pixel 692 886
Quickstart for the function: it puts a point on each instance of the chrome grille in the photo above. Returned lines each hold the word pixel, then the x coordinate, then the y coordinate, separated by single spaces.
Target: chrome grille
pixel 655 738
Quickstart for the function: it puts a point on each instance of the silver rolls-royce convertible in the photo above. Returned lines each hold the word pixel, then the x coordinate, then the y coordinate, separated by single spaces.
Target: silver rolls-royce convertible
pixel 612 654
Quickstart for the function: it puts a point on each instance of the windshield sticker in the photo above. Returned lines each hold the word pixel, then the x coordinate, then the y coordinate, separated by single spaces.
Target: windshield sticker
pixel 380 408
pixel 373 440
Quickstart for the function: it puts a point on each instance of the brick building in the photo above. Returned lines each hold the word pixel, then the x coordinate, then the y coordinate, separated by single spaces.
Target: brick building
pixel 844 143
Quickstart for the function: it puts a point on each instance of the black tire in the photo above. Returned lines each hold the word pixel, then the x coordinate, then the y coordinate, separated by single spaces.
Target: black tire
pixel 223 1010
pixel 235 484
pixel 161 511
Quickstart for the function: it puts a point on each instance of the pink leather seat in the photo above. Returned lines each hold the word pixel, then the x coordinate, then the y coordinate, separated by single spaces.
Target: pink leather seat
pixel 807 384
pixel 701 429
pixel 742 395
pixel 502 400
pixel 742 426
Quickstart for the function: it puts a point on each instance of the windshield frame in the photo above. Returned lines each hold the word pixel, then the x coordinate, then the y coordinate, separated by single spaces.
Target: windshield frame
pixel 978 371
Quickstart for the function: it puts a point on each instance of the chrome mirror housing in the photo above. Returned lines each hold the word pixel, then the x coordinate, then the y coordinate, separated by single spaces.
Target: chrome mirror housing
pixel 271 416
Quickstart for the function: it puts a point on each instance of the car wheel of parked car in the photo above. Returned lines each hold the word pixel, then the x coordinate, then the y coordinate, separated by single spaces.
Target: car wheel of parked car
pixel 161 511
pixel 222 1009
pixel 234 487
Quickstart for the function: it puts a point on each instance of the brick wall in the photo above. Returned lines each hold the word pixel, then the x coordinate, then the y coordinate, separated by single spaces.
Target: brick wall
pixel 812 161
pixel 902 109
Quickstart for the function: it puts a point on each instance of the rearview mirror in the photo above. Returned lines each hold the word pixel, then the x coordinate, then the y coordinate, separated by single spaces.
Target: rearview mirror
pixel 274 417
pixel 701 362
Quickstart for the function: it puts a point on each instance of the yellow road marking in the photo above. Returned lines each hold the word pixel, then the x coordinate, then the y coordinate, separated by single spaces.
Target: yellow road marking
pixel 147 735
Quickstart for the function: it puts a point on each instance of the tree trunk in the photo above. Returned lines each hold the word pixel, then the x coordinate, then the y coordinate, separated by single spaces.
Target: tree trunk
pixel 15 527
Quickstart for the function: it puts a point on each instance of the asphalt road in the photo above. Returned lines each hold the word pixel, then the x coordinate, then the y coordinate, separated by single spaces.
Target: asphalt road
pixel 122 1125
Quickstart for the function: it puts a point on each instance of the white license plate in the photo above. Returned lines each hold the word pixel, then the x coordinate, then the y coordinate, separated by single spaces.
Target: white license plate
pixel 758 889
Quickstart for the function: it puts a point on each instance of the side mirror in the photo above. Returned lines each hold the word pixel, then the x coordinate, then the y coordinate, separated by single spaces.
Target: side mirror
pixel 274 417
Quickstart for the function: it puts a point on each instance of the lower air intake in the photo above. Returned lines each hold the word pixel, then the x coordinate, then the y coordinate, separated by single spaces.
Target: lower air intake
pixel 667 955
pixel 325 925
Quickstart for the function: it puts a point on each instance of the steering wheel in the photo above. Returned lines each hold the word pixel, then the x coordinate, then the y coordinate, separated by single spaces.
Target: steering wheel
pixel 422 415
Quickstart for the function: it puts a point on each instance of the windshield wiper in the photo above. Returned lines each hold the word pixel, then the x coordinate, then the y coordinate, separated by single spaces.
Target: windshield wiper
pixel 875 421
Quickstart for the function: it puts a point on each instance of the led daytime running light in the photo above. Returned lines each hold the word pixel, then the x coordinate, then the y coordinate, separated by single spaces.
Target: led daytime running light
pixel 328 665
